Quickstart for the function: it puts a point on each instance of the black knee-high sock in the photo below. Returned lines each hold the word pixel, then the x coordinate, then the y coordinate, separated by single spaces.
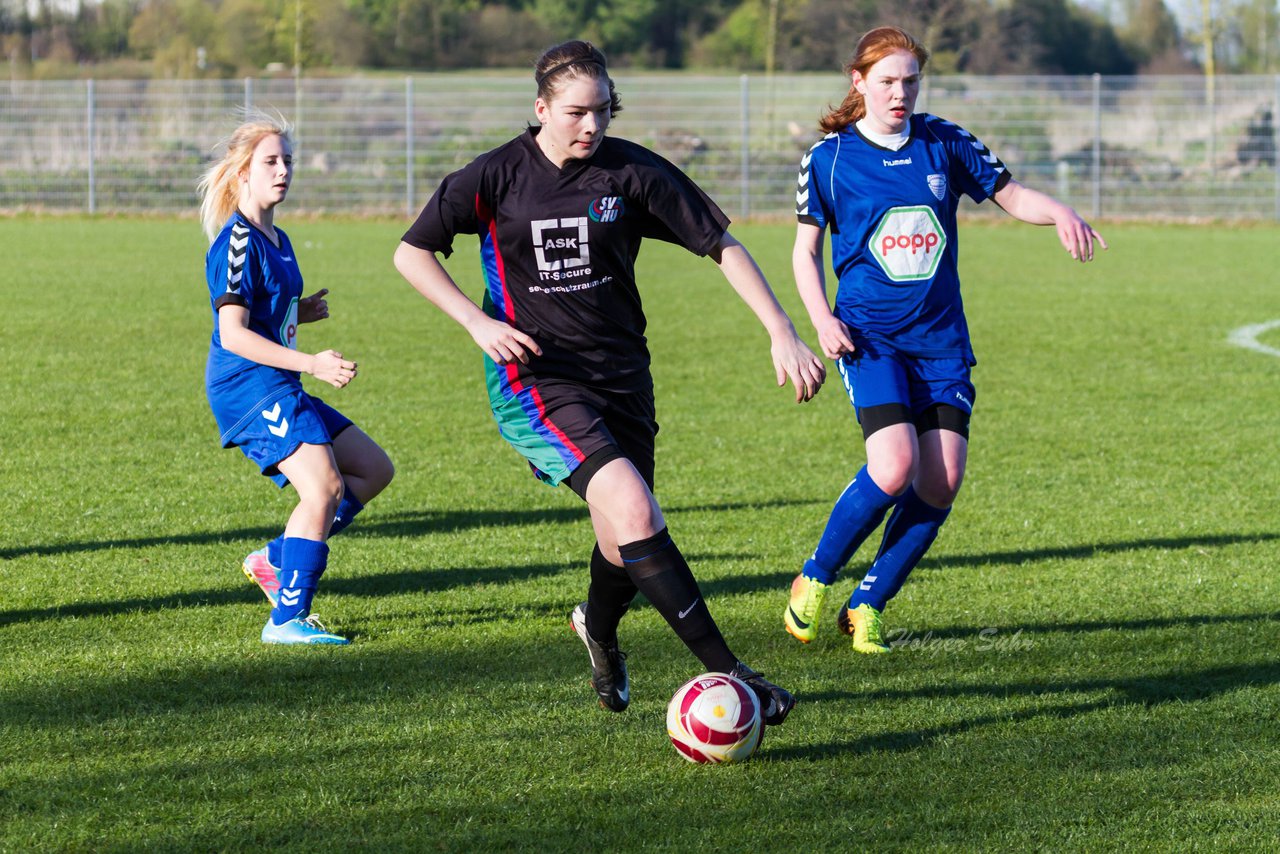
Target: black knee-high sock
pixel 608 598
pixel 659 570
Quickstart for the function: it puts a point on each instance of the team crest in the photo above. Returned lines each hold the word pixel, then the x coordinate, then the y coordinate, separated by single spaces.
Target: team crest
pixel 606 209
pixel 937 186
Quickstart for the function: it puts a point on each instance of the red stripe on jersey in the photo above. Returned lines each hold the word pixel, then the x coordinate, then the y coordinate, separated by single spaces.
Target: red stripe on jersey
pixel 559 434
pixel 507 308
pixel 513 370
pixel 486 215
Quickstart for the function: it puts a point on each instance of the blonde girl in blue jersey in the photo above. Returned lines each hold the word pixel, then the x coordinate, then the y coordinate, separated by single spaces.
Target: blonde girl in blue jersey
pixel 252 377
pixel 887 182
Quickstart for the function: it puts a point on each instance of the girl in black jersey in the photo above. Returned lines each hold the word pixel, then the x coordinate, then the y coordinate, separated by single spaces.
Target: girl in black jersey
pixel 561 211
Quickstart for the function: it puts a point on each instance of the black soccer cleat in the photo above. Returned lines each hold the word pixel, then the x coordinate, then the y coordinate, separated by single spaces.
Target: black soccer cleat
pixel 608 665
pixel 775 703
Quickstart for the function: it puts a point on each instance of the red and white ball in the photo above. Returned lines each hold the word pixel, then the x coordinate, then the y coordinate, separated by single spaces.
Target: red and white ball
pixel 715 718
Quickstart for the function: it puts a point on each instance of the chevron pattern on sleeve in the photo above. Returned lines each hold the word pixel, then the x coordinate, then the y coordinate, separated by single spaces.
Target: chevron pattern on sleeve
pixel 985 153
pixel 802 185
pixel 237 251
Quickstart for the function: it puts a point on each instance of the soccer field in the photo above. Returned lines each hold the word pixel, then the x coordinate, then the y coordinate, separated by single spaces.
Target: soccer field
pixel 1087 657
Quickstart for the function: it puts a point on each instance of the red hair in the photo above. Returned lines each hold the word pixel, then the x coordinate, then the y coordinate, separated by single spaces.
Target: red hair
pixel 872 47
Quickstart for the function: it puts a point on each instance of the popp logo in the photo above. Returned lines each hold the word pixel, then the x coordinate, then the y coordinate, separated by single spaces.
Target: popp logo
pixel 908 243
pixel 289 326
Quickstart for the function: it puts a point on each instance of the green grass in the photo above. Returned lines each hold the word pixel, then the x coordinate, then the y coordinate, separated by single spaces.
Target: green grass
pixel 1091 661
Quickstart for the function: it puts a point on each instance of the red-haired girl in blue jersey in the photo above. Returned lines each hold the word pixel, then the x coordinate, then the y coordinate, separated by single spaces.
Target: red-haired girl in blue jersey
pixel 252 377
pixel 887 183
pixel 561 212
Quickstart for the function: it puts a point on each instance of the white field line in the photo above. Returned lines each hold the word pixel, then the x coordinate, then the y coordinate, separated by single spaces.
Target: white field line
pixel 1247 337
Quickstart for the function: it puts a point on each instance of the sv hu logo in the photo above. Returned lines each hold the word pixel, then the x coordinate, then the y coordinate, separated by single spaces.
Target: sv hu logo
pixel 606 209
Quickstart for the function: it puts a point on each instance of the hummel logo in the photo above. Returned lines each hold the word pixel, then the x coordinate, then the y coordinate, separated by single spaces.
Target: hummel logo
pixel 273 414
pixel 685 612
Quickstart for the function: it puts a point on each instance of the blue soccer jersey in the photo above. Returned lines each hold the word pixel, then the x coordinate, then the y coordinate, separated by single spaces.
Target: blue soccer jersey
pixel 892 218
pixel 245 268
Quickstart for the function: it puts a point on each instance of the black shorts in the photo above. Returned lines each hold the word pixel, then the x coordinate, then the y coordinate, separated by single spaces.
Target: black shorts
pixel 574 429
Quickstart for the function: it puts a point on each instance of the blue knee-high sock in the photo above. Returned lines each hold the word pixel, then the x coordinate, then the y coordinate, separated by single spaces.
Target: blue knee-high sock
pixel 858 512
pixel 912 528
pixel 347 510
pixel 304 563
pixel 275 551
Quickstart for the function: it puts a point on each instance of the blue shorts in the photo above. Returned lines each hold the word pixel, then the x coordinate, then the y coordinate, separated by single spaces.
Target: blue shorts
pixel 876 378
pixel 273 434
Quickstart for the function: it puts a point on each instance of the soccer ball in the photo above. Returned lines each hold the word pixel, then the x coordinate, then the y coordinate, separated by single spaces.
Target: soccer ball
pixel 715 718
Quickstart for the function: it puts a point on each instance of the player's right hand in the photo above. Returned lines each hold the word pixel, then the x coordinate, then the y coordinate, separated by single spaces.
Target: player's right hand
pixel 834 338
pixel 504 343
pixel 792 359
pixel 330 367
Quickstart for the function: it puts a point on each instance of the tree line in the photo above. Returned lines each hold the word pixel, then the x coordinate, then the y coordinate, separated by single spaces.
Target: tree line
pixel 213 38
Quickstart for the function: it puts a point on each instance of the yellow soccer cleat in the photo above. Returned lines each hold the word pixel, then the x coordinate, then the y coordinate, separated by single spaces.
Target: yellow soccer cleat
pixel 864 623
pixel 801 616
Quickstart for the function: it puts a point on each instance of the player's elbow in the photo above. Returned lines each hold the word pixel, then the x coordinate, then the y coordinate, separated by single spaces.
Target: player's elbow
pixel 727 248
pixel 402 258
pixel 233 339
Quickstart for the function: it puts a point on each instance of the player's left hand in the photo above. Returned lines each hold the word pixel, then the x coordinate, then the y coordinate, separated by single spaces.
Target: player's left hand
pixel 792 359
pixel 314 307
pixel 1078 237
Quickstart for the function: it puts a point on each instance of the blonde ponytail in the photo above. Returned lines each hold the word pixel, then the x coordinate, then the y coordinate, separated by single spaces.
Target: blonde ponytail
pixel 219 186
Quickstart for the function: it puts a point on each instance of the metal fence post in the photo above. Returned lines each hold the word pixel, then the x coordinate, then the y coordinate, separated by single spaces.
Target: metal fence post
pixel 746 143
pixel 1097 146
pixel 93 190
pixel 1211 152
pixel 248 94
pixel 408 146
pixel 297 116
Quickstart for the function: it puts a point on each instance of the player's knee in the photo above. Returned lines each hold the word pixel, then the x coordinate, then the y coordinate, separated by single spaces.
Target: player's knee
pixel 893 476
pixel 382 471
pixel 639 521
pixel 940 490
pixel 323 493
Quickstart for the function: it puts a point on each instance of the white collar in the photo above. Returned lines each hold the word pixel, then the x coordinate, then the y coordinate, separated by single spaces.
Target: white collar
pixel 891 141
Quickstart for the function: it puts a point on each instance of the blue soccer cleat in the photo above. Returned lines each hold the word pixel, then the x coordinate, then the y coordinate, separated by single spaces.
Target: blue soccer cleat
pixel 300 630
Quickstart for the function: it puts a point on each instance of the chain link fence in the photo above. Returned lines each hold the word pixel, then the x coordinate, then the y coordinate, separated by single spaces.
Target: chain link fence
pixel 1109 146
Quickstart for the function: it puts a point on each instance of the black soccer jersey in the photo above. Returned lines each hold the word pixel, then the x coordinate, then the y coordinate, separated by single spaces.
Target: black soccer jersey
pixel 558 247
